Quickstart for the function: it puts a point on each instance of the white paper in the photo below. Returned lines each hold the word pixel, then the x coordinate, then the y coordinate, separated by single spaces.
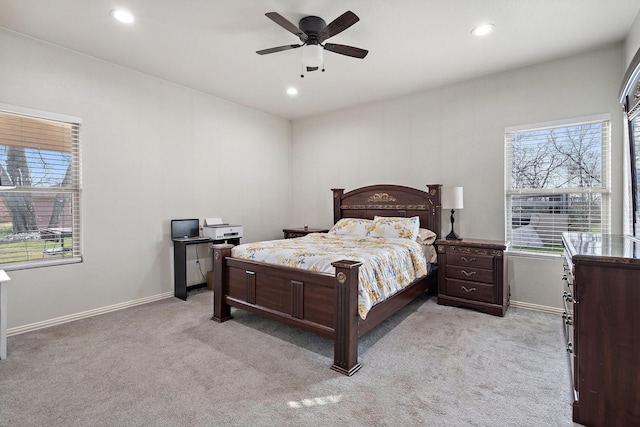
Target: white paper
pixel 212 221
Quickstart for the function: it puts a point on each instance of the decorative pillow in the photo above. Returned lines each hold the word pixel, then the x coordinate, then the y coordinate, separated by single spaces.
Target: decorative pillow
pixel 386 226
pixel 351 227
pixel 426 237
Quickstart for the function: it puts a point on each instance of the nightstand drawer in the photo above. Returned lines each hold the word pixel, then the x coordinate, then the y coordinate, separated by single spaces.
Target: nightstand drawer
pixel 470 290
pixel 292 233
pixel 472 274
pixel 470 260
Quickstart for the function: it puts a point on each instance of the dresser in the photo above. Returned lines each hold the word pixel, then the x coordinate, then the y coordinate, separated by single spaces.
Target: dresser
pixel 602 327
pixel 471 274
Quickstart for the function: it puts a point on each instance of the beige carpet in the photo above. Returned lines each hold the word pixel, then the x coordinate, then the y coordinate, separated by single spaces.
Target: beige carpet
pixel 167 364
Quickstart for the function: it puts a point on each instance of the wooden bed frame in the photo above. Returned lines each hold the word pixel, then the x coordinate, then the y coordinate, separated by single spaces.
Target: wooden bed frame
pixel 323 303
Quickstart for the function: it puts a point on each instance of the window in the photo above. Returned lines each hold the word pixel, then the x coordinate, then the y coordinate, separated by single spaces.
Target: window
pixel 630 99
pixel 40 218
pixel 557 180
pixel 634 136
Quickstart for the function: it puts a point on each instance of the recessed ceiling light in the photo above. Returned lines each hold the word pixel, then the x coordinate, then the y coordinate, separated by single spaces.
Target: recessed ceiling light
pixel 292 91
pixel 122 15
pixel 483 30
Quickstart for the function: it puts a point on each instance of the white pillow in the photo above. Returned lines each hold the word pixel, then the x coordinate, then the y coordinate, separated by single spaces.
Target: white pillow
pixel 426 237
pixel 394 227
pixel 351 227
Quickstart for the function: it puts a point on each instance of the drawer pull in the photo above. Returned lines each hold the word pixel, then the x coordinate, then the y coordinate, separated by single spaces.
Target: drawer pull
pixel 464 288
pixel 465 259
pixel 466 273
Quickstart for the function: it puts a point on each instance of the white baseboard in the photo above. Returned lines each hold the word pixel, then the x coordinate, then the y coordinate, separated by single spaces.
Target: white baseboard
pixel 85 314
pixel 536 307
pixel 95 312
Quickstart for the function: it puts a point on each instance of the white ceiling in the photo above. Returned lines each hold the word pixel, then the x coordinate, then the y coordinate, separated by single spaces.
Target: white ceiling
pixel 210 45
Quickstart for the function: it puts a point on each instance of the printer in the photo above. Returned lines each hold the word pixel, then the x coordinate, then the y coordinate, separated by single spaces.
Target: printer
pixel 216 229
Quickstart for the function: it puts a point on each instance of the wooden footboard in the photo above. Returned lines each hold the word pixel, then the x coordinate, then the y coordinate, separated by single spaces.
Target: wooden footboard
pixel 321 303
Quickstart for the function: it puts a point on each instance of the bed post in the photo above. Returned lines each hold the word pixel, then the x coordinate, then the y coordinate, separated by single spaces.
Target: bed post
pixel 435 190
pixel 345 335
pixel 221 311
pixel 337 202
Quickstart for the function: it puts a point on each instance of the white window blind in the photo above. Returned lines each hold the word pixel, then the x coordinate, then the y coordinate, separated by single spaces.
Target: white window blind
pixel 40 218
pixel 558 180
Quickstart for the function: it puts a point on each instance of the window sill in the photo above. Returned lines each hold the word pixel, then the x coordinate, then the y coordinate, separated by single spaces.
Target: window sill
pixel 28 265
pixel 532 254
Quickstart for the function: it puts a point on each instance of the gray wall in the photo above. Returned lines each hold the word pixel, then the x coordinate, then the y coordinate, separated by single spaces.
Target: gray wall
pixel 632 43
pixel 454 135
pixel 151 151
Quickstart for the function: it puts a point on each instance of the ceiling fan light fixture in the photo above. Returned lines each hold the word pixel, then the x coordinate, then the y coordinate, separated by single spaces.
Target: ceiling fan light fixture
pixel 483 30
pixel 312 55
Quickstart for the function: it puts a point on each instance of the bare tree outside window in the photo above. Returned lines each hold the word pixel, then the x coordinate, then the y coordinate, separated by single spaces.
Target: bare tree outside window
pixel 558 183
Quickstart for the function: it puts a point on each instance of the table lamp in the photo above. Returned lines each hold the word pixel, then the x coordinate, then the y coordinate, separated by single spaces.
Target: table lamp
pixel 452 199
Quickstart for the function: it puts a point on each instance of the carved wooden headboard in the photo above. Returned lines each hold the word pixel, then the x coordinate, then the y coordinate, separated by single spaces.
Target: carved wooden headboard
pixel 390 200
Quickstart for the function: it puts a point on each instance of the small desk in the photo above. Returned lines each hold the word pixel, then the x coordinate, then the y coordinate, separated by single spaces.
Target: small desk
pixel 180 287
pixel 3 314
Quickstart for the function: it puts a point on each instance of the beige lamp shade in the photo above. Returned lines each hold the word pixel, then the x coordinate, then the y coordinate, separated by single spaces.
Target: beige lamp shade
pixel 452 198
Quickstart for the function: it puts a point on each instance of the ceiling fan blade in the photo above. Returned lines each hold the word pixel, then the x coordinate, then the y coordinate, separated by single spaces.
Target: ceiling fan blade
pixel 355 52
pixel 338 25
pixel 277 49
pixel 286 24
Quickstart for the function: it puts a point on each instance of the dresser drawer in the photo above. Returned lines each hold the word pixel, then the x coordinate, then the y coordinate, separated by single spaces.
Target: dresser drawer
pixel 470 290
pixel 472 274
pixel 470 260
pixel 567 264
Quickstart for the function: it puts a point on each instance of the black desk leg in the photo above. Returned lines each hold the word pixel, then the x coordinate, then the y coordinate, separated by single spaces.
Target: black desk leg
pixel 180 267
pixel 180 288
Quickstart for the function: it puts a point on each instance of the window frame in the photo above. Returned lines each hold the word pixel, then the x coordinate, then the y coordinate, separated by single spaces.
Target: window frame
pixel 604 190
pixel 630 100
pixel 75 190
pixel 634 185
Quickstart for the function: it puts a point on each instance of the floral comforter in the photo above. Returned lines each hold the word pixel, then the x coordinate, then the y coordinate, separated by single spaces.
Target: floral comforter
pixel 388 265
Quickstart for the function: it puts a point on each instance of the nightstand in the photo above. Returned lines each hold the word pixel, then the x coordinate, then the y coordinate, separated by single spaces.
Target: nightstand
pixel 290 233
pixel 471 274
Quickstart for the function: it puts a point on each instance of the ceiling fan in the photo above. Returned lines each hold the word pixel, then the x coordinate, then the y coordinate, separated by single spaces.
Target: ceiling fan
pixel 312 32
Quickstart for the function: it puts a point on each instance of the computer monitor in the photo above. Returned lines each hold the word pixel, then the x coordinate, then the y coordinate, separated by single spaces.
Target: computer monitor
pixel 184 228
